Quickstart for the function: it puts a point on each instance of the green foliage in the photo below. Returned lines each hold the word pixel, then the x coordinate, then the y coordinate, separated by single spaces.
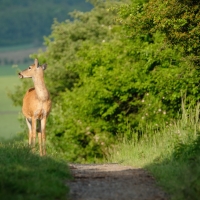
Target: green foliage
pixel 61 55
pixel 24 175
pixel 191 179
pixel 178 20
pixel 86 141
pixel 66 39
pixel 115 96
pixel 104 84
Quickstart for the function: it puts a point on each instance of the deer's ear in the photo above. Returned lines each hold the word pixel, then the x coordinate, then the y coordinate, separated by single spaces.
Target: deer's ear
pixel 44 66
pixel 37 63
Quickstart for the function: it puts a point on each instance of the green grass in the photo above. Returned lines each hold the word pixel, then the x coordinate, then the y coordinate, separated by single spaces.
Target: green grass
pixel 7 83
pixel 27 176
pixel 171 154
pixel 11 70
pixel 7 70
pixel 9 125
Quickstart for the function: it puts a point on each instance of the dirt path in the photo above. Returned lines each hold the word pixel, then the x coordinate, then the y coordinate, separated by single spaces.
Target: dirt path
pixel 113 182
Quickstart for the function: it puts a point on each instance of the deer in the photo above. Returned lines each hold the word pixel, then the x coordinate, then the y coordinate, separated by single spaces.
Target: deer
pixel 36 105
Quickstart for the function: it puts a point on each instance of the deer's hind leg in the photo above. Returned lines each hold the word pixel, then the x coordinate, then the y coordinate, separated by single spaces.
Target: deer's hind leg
pixel 43 135
pixel 40 136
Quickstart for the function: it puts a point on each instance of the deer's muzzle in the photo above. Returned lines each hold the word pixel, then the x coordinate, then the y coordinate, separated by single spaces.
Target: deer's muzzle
pixel 20 75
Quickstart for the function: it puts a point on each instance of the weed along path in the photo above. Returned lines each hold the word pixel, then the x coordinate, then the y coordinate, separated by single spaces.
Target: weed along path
pixel 112 182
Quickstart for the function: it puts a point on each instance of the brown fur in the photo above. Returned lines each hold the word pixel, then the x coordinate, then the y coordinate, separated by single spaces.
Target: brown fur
pixel 33 107
pixel 36 104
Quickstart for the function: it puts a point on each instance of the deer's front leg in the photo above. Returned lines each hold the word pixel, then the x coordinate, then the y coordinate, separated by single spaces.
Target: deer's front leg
pixel 34 123
pixel 29 124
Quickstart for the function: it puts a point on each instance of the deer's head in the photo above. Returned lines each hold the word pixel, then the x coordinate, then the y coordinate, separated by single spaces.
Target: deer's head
pixel 33 70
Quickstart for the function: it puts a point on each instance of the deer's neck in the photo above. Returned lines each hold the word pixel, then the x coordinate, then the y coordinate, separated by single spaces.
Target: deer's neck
pixel 40 88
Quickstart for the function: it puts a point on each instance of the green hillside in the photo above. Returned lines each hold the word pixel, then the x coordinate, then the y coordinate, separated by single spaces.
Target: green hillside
pixel 28 21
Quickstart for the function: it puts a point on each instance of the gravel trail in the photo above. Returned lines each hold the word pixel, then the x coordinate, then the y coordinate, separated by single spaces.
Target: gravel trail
pixel 112 182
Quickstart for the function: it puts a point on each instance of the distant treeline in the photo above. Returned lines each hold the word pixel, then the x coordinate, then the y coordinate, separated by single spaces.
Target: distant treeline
pixel 28 21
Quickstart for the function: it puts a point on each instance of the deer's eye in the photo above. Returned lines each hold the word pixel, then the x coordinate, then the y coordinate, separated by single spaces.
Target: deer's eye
pixel 29 68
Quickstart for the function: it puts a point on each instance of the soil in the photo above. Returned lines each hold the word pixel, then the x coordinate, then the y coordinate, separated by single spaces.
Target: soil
pixel 112 182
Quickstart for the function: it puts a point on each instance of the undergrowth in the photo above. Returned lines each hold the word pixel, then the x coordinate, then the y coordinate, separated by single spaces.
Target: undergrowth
pixel 171 153
pixel 27 176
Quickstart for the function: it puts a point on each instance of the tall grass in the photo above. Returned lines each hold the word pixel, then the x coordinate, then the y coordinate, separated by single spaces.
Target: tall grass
pixel 27 176
pixel 171 153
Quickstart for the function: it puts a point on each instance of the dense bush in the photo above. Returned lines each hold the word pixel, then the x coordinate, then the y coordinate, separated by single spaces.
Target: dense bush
pixel 107 81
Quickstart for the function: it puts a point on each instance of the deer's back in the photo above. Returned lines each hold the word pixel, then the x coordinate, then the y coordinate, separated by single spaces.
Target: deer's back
pixel 33 107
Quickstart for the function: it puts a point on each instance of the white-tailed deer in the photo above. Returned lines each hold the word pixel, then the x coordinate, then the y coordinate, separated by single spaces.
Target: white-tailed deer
pixel 36 104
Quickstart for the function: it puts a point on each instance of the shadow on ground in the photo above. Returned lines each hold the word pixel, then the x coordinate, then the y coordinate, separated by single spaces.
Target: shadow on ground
pixel 26 176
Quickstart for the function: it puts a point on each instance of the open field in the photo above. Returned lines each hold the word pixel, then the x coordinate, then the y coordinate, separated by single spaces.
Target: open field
pixel 12 59
pixel 9 124
pixel 17 48
pixel 7 83
pixel 11 70
pixel 17 54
